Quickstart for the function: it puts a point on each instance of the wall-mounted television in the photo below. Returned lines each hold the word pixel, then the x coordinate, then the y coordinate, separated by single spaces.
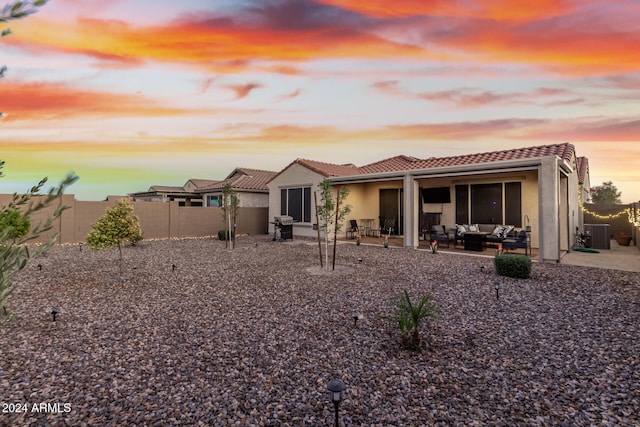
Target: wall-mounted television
pixel 436 195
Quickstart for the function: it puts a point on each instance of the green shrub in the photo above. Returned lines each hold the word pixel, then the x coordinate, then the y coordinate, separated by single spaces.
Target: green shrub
pixel 222 234
pixel 513 265
pixel 17 225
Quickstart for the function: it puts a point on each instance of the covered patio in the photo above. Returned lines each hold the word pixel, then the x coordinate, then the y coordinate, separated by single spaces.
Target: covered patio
pixel 397 242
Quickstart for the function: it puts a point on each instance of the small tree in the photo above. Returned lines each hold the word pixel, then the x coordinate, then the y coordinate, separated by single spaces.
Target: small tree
pixel 118 225
pixel 605 194
pixel 14 254
pixel 230 207
pixel 330 213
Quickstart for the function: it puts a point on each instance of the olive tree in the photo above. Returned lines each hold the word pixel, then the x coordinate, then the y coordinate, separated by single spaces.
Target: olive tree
pixel 16 230
pixel 116 227
pixel 15 217
pixel 16 10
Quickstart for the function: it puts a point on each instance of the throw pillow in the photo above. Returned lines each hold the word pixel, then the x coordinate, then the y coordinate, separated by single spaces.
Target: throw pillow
pixel 461 229
pixel 508 229
pixel 474 228
pixel 497 232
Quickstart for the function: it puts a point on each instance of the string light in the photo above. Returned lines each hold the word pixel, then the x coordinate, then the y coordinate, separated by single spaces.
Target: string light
pixel 632 213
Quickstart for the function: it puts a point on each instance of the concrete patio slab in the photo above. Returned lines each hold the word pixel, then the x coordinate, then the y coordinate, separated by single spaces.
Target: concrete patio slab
pixel 625 258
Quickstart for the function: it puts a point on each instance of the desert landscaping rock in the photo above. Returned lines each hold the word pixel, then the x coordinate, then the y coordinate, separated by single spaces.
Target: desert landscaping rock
pixel 252 337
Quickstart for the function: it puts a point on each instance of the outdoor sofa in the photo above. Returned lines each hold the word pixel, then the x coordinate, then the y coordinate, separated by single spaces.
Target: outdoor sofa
pixel 496 233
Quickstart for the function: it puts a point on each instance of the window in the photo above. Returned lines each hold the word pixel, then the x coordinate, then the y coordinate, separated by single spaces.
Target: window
pixel 486 203
pixel 462 204
pixel 218 201
pixel 296 202
pixel 513 204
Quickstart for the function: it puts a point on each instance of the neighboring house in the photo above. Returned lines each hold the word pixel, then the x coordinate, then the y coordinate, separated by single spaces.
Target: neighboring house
pixel 535 186
pixel 185 195
pixel 291 191
pixel 249 184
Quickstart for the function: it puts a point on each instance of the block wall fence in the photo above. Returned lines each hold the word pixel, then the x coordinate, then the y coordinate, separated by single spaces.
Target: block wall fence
pixel 157 220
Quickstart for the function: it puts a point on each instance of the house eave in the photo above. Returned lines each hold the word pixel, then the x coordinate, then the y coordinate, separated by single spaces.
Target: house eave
pixel 236 190
pixel 503 166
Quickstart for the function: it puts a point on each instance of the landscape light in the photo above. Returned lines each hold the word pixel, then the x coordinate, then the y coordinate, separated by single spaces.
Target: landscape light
pixel 356 318
pixel 497 286
pixel 336 387
pixel 54 312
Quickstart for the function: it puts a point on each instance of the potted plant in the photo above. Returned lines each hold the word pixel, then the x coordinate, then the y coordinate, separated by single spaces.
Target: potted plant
pixel 622 239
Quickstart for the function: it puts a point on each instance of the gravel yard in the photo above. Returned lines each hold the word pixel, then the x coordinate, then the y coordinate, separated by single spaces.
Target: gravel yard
pixel 252 337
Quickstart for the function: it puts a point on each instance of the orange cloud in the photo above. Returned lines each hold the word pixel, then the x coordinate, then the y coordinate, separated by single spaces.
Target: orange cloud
pixel 218 44
pixel 588 129
pixel 47 101
pixel 561 35
pixel 485 9
pixel 242 91
pixel 398 8
pixel 473 98
pixel 290 95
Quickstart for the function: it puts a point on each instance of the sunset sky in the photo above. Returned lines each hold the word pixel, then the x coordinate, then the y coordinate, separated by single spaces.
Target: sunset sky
pixel 132 93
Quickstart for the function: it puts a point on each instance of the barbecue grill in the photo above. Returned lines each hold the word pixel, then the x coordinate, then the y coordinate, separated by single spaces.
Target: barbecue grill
pixel 284 225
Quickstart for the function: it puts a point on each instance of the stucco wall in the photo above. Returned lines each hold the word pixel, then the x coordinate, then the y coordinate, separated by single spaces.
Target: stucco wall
pixel 529 196
pixel 254 200
pixel 157 220
pixel 294 176
pixel 365 200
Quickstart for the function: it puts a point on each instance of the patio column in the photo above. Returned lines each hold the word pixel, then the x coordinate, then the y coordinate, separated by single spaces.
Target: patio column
pixel 411 217
pixel 549 209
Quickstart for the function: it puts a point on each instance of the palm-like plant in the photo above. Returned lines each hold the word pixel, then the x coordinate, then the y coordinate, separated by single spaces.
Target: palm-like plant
pixel 409 317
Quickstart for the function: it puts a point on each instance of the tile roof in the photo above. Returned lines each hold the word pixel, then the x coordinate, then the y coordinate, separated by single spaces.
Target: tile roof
pixel 329 169
pixel 583 168
pixel 396 163
pixel 243 179
pixel 400 163
pixel 565 151
pixel 200 183
pixel 164 188
pixel 324 169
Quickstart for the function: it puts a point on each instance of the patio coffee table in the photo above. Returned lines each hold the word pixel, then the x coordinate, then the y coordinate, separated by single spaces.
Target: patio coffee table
pixel 474 240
